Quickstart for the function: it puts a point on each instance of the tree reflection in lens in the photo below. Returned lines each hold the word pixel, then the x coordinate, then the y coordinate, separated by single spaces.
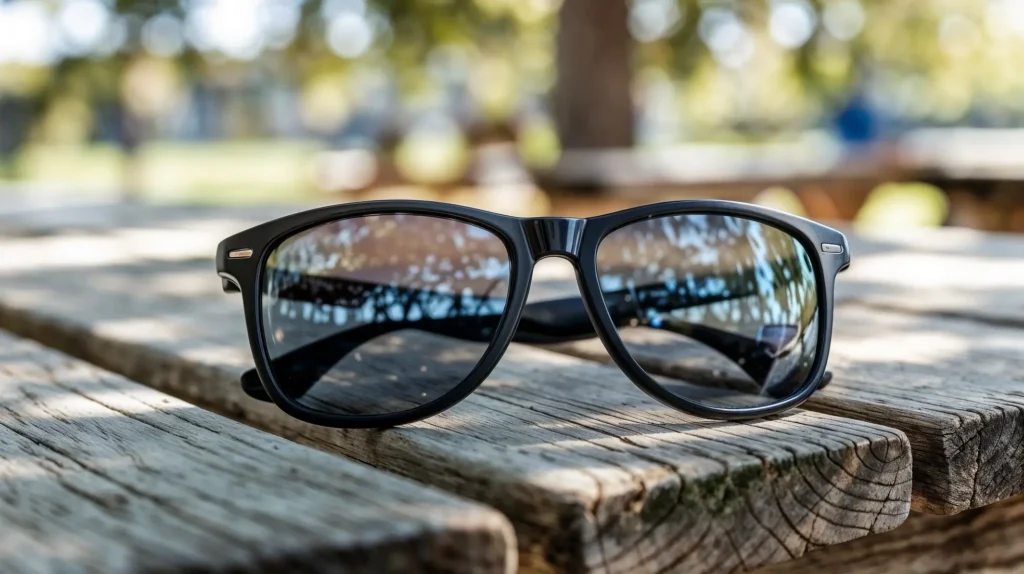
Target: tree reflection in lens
pixel 342 303
pixel 745 290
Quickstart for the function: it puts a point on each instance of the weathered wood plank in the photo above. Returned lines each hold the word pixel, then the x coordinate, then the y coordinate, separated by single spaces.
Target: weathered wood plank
pixel 954 272
pixel 953 385
pixel 926 339
pixel 944 367
pixel 986 540
pixel 594 475
pixel 100 474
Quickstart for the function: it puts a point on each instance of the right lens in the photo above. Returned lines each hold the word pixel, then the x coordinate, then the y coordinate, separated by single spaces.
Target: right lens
pixel 727 306
pixel 381 314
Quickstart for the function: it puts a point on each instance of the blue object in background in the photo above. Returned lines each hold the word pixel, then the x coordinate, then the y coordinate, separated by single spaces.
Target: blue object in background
pixel 857 122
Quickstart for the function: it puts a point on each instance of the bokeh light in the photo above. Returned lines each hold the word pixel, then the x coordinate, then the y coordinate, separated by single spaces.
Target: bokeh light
pixel 26 36
pixel 349 35
pixel 651 20
pixel 792 22
pixel 163 35
pixel 727 36
pixel 844 19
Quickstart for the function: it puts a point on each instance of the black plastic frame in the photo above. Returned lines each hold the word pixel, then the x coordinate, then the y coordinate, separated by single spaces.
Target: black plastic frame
pixel 528 240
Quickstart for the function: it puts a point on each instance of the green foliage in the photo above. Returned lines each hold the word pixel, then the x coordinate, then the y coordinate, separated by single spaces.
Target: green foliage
pixel 929 61
pixel 902 205
pixel 932 61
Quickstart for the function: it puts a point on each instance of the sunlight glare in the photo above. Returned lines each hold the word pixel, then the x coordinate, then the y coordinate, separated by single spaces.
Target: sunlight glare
pixel 349 35
pixel 727 37
pixel 844 19
pixel 25 36
pixel 792 23
pixel 231 27
pixel 84 25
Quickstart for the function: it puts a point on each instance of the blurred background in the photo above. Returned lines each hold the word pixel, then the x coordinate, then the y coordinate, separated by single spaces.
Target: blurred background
pixel 882 112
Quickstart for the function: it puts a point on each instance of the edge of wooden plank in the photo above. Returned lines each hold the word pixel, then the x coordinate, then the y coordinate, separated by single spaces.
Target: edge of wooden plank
pixel 150 482
pixel 987 539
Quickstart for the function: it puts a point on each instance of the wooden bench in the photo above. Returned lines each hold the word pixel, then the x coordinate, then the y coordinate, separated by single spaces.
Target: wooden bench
pixel 976 281
pixel 100 474
pixel 593 475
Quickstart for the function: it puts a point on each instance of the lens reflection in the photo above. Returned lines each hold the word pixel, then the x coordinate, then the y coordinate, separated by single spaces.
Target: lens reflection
pixel 725 306
pixel 359 314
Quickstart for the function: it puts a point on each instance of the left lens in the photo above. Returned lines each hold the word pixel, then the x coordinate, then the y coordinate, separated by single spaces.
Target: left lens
pixel 381 314
pixel 727 306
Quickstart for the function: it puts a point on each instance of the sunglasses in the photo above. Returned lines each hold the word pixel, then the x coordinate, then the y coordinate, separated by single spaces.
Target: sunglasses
pixel 376 314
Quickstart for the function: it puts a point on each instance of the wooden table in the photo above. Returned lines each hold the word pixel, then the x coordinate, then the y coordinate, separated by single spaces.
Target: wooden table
pixel 100 474
pixel 592 474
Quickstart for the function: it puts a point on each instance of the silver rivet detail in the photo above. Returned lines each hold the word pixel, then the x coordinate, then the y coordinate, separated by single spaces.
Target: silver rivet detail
pixel 240 254
pixel 831 248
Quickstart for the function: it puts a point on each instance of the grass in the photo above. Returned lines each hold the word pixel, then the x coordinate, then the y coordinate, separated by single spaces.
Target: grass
pixel 282 171
pixel 194 172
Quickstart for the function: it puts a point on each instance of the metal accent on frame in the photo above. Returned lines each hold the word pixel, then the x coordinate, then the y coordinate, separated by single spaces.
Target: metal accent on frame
pixel 554 236
pixel 831 248
pixel 240 254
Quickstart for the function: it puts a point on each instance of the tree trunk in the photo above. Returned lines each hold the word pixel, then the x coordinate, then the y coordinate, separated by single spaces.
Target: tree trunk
pixel 16 117
pixel 131 133
pixel 593 106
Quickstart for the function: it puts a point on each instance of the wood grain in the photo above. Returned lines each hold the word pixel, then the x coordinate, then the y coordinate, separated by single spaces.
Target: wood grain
pixel 594 475
pixel 987 540
pixel 99 474
pixel 953 385
pixel 927 339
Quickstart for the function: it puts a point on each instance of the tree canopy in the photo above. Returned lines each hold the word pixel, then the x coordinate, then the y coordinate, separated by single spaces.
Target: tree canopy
pixel 701 67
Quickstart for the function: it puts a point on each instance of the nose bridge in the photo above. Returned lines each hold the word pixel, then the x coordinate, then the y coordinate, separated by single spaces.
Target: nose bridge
pixel 554 236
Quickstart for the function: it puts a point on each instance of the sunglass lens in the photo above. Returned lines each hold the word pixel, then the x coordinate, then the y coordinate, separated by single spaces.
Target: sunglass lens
pixel 381 314
pixel 726 307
